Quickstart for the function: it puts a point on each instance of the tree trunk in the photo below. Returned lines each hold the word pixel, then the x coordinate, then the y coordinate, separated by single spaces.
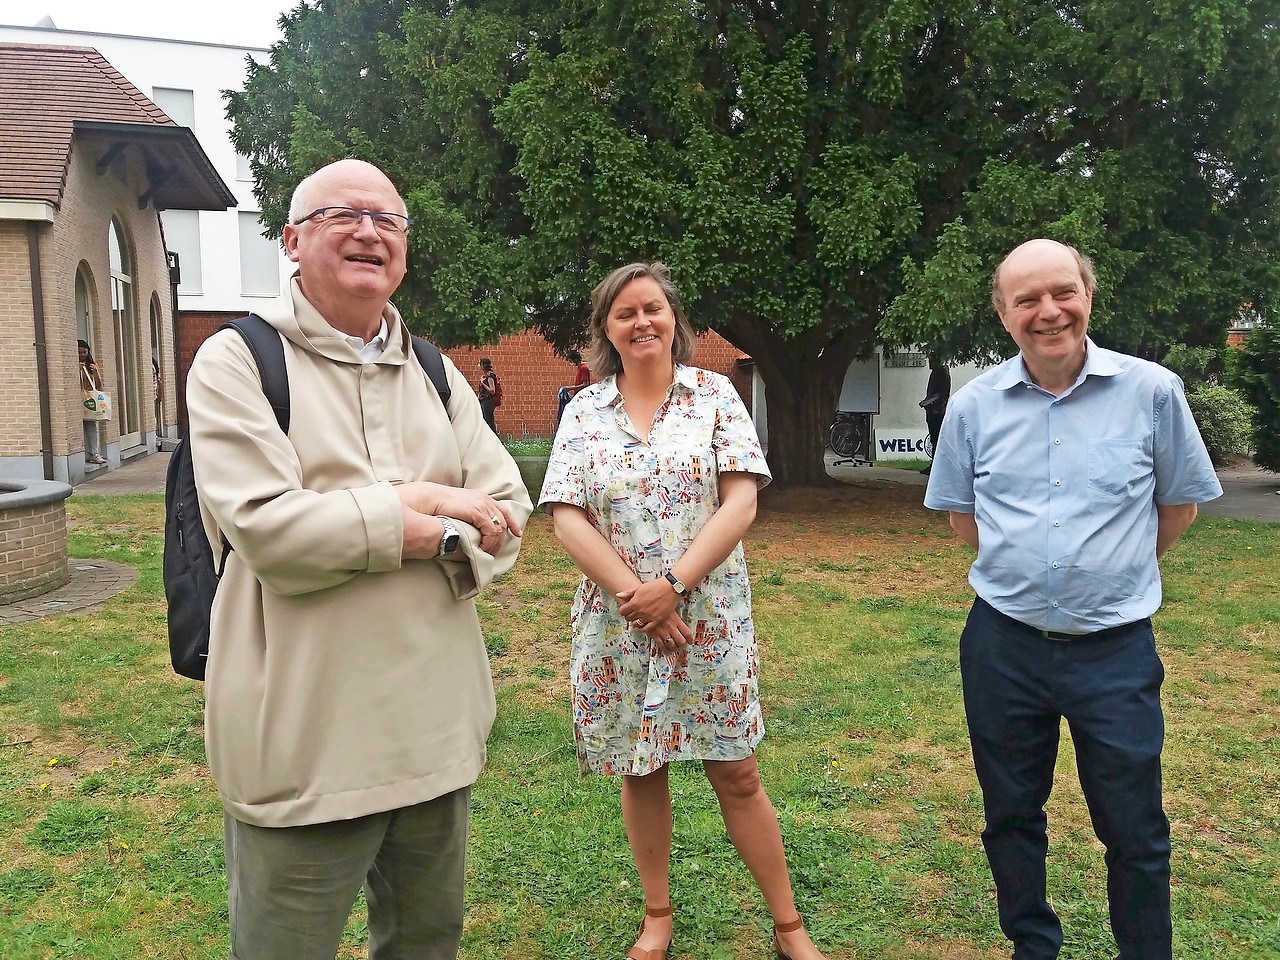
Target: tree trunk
pixel 798 430
pixel 802 379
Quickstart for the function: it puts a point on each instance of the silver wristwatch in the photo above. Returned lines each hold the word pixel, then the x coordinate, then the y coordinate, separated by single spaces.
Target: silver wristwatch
pixel 449 542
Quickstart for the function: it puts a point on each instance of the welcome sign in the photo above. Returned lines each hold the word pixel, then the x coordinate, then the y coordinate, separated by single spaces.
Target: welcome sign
pixel 901 444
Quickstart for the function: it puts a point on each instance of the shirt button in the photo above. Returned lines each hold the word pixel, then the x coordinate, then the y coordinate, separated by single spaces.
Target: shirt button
pixel 1057 523
pixel 1057 441
pixel 1055 604
pixel 1055 566
pixel 1057 483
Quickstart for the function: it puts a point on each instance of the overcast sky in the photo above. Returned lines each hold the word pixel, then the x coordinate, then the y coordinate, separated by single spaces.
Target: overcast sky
pixel 246 23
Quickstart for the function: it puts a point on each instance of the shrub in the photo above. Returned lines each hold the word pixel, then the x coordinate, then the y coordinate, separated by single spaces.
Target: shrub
pixel 1194 364
pixel 1225 420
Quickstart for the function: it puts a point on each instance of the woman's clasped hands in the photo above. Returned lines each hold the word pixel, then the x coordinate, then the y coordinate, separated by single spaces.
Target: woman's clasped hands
pixel 651 609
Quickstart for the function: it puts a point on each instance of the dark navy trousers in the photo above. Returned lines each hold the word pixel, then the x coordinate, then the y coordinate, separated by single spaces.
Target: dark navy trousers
pixel 1018 685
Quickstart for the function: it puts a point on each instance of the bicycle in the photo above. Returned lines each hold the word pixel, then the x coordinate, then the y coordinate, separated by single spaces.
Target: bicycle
pixel 850 438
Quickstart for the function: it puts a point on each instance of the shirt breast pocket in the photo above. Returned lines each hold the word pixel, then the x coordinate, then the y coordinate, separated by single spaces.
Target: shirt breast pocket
pixel 1117 467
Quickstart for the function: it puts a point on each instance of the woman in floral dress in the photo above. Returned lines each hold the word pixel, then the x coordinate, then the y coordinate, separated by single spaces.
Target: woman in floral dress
pixel 651 486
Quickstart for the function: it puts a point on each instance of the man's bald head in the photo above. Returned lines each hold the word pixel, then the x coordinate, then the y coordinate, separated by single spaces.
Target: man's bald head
pixel 1036 247
pixel 337 172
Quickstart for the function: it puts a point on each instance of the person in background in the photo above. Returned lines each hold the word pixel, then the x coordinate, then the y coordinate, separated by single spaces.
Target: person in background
pixel 581 378
pixel 651 486
pixel 157 395
pixel 936 395
pixel 487 391
pixel 1071 470
pixel 90 379
pixel 348 694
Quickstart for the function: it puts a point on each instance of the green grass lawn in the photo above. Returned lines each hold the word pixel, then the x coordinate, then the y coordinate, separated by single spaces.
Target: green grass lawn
pixel 110 831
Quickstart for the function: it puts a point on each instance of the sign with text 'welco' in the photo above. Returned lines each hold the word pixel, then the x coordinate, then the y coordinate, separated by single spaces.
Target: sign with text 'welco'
pixel 900 445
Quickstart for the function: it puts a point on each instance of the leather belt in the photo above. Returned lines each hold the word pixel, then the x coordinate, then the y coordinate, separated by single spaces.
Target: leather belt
pixel 1102 634
pixel 1057 636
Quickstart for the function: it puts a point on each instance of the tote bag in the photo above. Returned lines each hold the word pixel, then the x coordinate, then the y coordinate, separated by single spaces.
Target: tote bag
pixel 97 405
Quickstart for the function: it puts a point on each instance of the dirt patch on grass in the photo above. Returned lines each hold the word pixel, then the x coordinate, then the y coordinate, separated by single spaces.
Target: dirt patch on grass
pixel 64 757
pixel 869 511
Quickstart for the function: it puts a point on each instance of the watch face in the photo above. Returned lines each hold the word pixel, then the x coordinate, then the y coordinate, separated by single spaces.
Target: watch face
pixel 449 542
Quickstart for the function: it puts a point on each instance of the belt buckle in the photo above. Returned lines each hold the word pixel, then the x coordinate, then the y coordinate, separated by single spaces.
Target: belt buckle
pixel 1059 637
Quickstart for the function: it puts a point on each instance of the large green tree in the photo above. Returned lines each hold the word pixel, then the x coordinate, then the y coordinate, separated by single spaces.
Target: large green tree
pixel 821 175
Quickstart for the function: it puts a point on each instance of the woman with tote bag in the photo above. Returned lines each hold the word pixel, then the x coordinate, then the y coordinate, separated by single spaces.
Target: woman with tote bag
pixel 97 404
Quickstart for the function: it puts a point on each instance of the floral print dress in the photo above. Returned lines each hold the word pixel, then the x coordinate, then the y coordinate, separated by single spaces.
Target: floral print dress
pixel 633 712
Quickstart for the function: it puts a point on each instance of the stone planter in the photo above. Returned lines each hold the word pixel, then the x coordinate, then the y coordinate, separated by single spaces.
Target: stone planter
pixel 33 538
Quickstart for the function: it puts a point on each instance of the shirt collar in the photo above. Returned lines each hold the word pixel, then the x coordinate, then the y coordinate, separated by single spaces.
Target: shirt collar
pixel 685 377
pixel 373 349
pixel 323 338
pixel 1097 363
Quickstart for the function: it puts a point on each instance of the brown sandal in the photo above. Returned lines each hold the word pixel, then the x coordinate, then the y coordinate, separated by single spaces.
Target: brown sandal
pixel 636 953
pixel 778 928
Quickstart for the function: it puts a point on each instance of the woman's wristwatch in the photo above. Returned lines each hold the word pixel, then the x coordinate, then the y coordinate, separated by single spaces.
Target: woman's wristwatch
pixel 676 584
pixel 449 542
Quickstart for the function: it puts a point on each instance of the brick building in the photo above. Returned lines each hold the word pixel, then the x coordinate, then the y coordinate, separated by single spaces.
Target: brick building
pixel 86 164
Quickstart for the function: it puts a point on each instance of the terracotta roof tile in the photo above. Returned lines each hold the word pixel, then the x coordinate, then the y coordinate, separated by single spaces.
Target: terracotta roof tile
pixel 43 89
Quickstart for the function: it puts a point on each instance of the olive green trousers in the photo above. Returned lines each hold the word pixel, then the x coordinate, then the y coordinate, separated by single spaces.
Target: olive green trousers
pixel 290 890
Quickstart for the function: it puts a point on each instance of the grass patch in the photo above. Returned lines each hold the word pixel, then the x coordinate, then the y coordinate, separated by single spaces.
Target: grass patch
pixel 528 446
pixel 110 828
pixel 909 463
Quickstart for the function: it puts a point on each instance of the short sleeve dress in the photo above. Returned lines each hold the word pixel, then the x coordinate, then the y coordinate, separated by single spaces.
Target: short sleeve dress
pixel 634 712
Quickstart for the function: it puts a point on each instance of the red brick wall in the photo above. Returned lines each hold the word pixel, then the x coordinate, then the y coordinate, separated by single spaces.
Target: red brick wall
pixel 530 370
pixel 194 329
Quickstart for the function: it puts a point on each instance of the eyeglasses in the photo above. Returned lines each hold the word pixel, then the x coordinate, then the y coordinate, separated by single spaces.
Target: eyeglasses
pixel 347 219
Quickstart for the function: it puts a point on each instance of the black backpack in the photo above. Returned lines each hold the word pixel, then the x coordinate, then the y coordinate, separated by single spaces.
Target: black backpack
pixel 190 579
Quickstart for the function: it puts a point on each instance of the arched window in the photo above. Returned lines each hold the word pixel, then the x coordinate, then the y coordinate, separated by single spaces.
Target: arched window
pixel 84 307
pixel 129 386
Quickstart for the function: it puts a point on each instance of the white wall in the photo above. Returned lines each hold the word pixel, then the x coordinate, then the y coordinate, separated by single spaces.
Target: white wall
pixel 206 69
pixel 899 427
pixel 891 390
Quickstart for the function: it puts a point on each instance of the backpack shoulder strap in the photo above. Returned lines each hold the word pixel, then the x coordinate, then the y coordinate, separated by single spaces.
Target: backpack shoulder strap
pixel 267 348
pixel 429 358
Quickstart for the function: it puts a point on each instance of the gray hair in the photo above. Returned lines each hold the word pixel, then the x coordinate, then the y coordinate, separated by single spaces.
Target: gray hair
pixel 601 355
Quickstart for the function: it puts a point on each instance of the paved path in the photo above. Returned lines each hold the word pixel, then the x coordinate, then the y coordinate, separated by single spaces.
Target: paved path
pixel 1249 493
pixel 141 475
pixel 92 582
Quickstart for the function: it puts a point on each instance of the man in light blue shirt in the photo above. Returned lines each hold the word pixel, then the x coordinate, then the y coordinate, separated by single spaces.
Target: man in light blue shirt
pixel 1070 469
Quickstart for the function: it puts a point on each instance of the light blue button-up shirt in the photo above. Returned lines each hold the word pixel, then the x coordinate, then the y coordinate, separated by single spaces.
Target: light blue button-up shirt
pixel 1064 489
